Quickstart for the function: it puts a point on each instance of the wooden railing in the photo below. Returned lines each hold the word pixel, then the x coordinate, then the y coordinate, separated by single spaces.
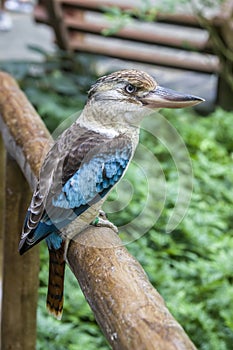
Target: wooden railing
pixel 129 310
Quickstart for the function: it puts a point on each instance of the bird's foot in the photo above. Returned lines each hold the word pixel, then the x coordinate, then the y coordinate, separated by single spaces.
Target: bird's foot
pixel 102 221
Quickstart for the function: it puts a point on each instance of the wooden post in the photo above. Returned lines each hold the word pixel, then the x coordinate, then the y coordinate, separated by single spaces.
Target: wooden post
pixel 220 33
pixel 26 141
pixel 2 221
pixel 20 274
pixel 55 17
pixel 225 91
pixel 2 3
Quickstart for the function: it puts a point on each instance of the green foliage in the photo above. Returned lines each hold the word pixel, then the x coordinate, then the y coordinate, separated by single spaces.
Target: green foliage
pixel 147 11
pixel 118 17
pixel 192 266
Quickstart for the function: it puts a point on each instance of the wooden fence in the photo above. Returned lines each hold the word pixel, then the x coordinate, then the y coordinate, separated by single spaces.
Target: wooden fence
pixel 196 44
pixel 130 312
pixel 78 26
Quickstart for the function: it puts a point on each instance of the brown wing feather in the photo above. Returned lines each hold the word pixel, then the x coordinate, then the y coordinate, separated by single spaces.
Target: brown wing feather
pixel 61 162
pixel 73 160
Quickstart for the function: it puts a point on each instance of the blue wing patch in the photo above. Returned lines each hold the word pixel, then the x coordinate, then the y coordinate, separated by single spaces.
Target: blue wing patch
pixel 92 181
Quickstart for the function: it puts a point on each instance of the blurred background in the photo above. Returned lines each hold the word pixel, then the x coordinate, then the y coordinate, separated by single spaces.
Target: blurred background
pixel 56 50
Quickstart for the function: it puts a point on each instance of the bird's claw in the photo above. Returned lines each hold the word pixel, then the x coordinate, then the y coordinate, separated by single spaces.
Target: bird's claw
pixel 102 221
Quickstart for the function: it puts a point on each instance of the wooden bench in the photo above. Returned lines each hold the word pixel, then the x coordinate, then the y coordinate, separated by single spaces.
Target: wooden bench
pixel 173 40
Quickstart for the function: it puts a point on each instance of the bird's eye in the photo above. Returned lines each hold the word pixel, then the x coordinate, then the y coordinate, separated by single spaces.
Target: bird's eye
pixel 130 88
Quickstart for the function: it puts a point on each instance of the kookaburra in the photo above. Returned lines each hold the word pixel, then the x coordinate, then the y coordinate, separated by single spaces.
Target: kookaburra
pixel 87 161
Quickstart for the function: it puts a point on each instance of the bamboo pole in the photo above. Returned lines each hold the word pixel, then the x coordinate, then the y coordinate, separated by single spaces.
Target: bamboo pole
pixel 129 310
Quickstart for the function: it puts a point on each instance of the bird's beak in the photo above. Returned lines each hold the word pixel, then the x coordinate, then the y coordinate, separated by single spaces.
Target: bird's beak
pixel 166 98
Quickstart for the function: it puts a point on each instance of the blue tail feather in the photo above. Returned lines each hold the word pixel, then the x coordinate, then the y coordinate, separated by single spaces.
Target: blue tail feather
pixel 54 241
pixel 35 236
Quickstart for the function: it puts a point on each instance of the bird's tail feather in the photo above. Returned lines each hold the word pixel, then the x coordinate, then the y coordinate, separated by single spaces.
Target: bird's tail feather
pixel 56 282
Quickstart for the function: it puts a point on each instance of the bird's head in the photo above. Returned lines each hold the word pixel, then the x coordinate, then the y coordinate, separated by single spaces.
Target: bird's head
pixel 131 94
